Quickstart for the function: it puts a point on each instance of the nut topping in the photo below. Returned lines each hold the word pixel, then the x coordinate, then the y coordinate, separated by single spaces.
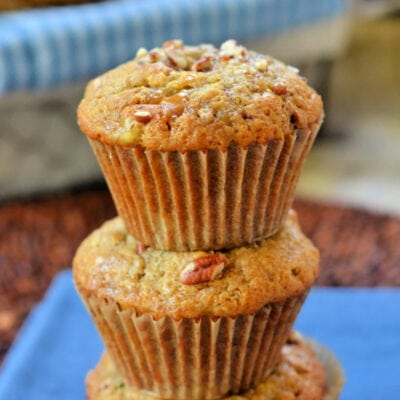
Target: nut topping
pixel 231 49
pixel 142 116
pixel 279 89
pixel 261 65
pixel 203 269
pixel 177 44
pixel 204 64
pixel 141 248
pixel 154 55
pixel 142 52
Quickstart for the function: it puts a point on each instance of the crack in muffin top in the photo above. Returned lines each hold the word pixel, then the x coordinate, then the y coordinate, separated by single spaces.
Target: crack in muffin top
pixel 182 98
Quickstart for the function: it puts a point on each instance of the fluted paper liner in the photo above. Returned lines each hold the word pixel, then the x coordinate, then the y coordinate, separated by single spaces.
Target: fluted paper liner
pixel 204 200
pixel 203 358
pixel 333 371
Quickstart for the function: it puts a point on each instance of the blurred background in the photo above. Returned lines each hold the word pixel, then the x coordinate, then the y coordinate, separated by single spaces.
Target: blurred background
pixel 348 50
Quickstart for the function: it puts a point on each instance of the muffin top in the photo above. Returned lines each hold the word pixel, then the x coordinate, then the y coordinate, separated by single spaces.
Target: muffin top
pixel 181 98
pixel 298 376
pixel 112 265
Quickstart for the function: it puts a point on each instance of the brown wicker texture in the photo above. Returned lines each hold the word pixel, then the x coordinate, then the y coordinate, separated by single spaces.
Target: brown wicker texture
pixel 39 237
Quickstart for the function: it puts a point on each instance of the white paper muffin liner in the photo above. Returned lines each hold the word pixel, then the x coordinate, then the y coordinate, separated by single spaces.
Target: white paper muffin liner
pixel 203 358
pixel 204 200
pixel 335 378
pixel 105 376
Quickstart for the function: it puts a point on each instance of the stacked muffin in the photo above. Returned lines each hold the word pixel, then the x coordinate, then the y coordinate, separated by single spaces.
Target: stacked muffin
pixel 195 287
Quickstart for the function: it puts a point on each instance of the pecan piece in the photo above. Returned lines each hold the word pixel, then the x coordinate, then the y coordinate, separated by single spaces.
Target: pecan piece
pixel 177 44
pixel 141 248
pixel 142 116
pixel 203 269
pixel 154 55
pixel 205 63
pixel 176 59
pixel 279 88
pixel 231 49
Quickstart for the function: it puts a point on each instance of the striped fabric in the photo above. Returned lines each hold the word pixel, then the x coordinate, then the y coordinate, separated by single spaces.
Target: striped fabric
pixel 43 48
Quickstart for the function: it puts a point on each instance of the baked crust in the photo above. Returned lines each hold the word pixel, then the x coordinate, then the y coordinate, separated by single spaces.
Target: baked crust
pixel 108 265
pixel 181 98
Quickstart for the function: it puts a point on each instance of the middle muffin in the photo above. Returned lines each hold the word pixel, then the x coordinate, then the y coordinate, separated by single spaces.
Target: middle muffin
pixel 194 325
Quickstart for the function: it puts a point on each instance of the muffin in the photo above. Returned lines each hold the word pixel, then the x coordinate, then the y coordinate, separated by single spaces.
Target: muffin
pixel 299 375
pixel 194 325
pixel 201 147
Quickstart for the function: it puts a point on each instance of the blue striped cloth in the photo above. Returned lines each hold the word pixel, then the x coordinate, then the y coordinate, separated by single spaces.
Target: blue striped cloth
pixel 46 47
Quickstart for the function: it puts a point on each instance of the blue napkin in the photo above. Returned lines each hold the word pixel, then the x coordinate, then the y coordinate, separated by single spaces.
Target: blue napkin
pixel 45 47
pixel 55 348
pixel 58 343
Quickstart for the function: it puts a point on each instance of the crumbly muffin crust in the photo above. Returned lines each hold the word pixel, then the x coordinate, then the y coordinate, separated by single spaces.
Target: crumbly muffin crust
pixel 183 98
pixel 108 265
pixel 298 376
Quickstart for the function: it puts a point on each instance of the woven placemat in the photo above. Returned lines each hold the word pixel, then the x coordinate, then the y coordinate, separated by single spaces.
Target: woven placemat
pixel 39 237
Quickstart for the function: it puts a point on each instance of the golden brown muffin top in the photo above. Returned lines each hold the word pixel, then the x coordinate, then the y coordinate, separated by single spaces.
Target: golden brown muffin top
pixel 182 98
pixel 108 265
pixel 298 376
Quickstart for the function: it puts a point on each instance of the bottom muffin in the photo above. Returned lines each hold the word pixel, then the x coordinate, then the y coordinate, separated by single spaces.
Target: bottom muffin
pixel 305 372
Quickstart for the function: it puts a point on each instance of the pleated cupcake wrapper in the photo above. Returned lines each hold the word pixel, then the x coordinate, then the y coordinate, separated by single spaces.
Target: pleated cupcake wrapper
pixel 204 200
pixel 335 378
pixel 333 370
pixel 203 358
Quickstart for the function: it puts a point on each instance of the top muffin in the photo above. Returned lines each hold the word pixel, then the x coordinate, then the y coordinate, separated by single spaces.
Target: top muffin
pixel 184 98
